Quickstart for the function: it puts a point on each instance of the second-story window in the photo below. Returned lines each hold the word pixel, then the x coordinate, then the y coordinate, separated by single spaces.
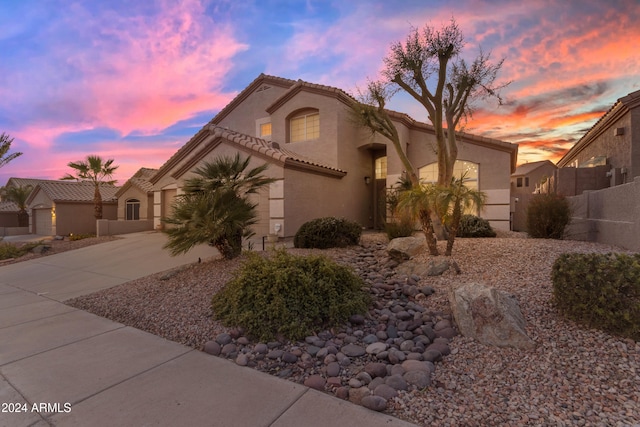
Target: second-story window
pixel 305 127
pixel 265 130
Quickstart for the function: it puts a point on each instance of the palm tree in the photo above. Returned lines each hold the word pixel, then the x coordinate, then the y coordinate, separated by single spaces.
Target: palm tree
pixel 5 145
pixel 96 171
pixel 19 196
pixel 452 201
pixel 215 207
pixel 419 202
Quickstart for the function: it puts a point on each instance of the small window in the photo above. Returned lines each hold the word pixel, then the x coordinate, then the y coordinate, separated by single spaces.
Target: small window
pixel 519 182
pixel 305 127
pixel 132 210
pixel 526 181
pixel 265 130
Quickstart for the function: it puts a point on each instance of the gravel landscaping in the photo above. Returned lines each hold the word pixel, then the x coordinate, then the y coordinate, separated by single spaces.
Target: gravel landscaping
pixel 575 376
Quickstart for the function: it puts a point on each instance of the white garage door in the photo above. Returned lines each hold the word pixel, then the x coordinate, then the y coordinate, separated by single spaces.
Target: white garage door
pixel 42 220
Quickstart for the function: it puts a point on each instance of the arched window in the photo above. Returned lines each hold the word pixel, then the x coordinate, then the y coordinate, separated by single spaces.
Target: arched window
pixel 132 210
pixel 469 170
pixel 304 125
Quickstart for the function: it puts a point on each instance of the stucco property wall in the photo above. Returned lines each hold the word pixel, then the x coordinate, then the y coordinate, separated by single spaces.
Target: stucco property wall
pixel 610 216
pixel 77 218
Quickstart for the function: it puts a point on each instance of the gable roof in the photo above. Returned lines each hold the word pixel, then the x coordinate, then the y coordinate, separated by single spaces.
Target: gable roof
pixel 618 109
pixel 527 168
pixel 210 136
pixel 23 182
pixel 70 191
pixel 270 152
pixel 140 180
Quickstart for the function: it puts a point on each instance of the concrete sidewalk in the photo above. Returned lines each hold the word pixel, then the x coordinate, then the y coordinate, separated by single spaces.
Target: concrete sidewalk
pixel 63 366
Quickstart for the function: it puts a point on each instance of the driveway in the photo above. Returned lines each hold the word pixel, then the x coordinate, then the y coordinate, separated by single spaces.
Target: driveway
pixel 92 268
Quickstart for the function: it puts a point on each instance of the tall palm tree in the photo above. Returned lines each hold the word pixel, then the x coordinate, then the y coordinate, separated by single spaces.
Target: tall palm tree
pixel 19 196
pixel 215 207
pixel 5 145
pixel 97 171
pixel 452 201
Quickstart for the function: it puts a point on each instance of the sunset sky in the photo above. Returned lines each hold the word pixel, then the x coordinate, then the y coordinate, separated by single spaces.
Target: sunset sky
pixel 134 80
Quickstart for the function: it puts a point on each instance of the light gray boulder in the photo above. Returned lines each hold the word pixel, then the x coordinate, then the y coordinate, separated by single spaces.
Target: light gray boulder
pixel 491 316
pixel 404 248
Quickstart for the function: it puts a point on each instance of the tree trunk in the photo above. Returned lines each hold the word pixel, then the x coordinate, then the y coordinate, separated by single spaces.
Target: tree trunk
pixel 23 218
pixel 97 203
pixel 455 224
pixel 427 229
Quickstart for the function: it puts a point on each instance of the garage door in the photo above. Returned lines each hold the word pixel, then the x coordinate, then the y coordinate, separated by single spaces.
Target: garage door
pixel 42 221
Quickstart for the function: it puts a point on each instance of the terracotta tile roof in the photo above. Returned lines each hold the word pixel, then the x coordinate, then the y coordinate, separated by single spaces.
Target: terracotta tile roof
pixel 269 150
pixel 71 191
pixel 140 180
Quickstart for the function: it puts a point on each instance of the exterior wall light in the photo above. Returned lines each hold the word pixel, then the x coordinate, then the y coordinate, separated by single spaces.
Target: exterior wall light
pixel 367 180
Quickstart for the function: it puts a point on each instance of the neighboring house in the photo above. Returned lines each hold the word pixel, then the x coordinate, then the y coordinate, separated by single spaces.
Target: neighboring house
pixel 66 207
pixel 8 214
pixel 324 164
pixel 527 179
pixel 9 210
pixel 135 197
pixel 602 173
pixel 607 155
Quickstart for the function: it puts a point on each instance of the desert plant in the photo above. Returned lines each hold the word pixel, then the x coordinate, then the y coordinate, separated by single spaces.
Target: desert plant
pixel 402 228
pixel 474 226
pixel 18 195
pixel 215 206
pixel 452 201
pixel 289 296
pixel 548 216
pixel 81 236
pixel 327 232
pixel 9 250
pixel 600 291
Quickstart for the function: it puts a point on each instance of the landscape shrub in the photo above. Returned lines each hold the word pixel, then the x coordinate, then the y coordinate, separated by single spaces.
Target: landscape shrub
pixel 402 228
pixel 74 237
pixel 289 296
pixel 328 232
pixel 600 291
pixel 474 226
pixel 547 216
pixel 10 250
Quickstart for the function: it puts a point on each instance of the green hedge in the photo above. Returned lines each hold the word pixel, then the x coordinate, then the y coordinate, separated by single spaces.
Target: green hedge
pixel 599 291
pixel 328 232
pixel 474 226
pixel 289 296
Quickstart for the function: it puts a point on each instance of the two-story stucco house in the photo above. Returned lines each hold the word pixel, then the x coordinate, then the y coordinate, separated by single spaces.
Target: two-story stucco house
pixel 325 164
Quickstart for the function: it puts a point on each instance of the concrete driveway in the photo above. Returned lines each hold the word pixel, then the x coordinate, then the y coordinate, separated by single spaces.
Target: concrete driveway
pixel 60 366
pixel 83 271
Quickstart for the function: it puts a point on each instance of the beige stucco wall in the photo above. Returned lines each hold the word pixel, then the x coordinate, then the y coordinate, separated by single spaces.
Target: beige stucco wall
pixel 77 218
pixel 146 203
pixel 243 117
pixel 610 216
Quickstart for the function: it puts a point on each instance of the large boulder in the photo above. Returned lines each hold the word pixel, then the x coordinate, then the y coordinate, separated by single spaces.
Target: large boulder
pixel 404 248
pixel 491 316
